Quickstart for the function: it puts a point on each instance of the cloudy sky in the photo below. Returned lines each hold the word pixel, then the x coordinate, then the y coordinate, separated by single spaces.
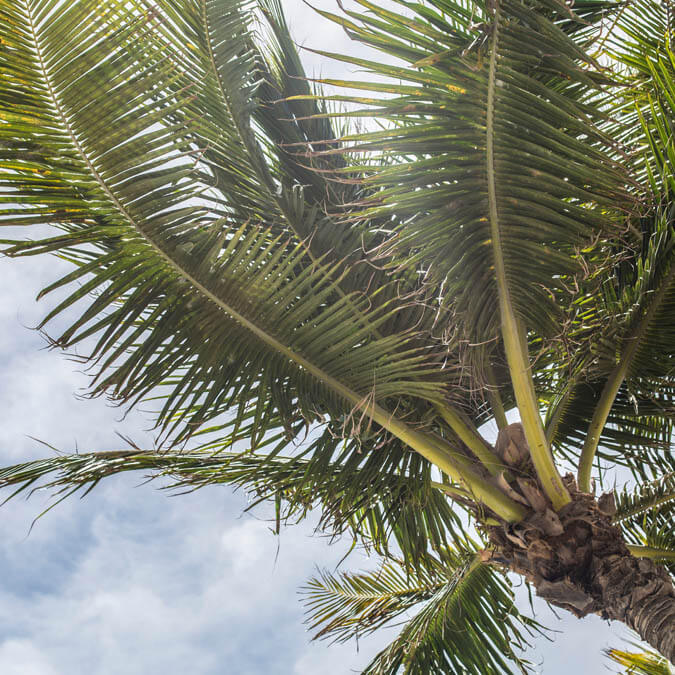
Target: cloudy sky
pixel 134 581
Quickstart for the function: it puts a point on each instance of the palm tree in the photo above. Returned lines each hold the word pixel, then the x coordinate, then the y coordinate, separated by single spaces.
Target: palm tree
pixel 328 316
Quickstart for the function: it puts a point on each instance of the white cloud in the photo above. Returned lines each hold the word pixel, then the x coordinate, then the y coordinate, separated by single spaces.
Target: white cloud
pixel 20 657
pixel 165 586
pixel 331 659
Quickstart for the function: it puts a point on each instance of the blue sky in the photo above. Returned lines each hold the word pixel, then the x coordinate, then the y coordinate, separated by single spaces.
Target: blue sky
pixel 131 580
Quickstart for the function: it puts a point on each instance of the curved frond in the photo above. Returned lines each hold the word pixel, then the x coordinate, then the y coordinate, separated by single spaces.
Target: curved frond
pixel 207 295
pixel 504 173
pixel 350 605
pixel 367 497
pixel 646 517
pixel 465 620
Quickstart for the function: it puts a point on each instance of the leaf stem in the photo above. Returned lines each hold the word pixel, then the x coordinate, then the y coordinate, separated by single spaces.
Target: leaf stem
pixel 470 436
pixel 512 331
pixel 613 384
pixel 651 552
pixel 451 490
pixel 455 465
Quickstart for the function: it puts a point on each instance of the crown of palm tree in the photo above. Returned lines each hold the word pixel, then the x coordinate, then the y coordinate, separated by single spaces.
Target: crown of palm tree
pixel 328 316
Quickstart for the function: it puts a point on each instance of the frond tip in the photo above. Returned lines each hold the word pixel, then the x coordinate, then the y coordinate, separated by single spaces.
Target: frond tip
pixel 640 663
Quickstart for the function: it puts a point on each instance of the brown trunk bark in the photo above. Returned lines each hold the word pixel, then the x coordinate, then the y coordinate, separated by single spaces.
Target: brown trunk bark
pixel 640 594
pixel 577 560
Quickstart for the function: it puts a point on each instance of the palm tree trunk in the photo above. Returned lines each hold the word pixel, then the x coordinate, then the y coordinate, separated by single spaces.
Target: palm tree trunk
pixel 578 560
pixel 640 594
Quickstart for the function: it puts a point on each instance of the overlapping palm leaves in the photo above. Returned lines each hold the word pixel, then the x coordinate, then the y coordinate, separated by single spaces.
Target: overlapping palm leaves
pixel 153 206
pixel 204 281
pixel 501 214
pixel 646 515
pixel 625 374
pixel 158 221
pixel 506 242
pixel 450 632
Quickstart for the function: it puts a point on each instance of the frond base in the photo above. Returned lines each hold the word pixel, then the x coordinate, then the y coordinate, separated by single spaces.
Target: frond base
pixel 577 560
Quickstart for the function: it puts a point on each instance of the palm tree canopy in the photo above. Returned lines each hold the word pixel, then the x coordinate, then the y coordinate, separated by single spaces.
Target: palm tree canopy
pixel 327 313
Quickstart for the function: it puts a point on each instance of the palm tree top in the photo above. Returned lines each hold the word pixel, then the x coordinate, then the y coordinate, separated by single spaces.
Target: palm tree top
pixel 330 315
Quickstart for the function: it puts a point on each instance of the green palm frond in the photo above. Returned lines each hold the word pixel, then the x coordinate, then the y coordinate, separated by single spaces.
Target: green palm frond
pixel 455 627
pixel 216 296
pixel 293 117
pixel 653 495
pixel 442 197
pixel 379 507
pixel 646 514
pixel 638 431
pixel 624 342
pixel 274 136
pixel 350 605
pixel 297 127
pixel 504 171
pixel 640 663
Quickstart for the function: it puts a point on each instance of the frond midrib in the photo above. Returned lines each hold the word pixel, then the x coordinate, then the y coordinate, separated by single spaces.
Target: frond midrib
pixel 512 330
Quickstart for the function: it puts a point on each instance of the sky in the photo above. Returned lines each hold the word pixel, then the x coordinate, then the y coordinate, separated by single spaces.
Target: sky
pixel 133 581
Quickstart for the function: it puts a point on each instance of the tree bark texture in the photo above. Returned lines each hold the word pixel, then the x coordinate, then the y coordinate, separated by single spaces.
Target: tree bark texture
pixel 577 560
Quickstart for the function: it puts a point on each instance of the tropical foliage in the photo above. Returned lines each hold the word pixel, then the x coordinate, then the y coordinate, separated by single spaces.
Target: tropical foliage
pixel 328 314
pixel 641 663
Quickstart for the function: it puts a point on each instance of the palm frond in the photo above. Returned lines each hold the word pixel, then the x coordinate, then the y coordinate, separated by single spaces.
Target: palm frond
pixel 640 663
pixel 446 98
pixel 653 495
pixel 379 504
pixel 142 236
pixel 455 628
pixel 623 333
pixel 350 605
pixel 504 172
pixel 645 516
